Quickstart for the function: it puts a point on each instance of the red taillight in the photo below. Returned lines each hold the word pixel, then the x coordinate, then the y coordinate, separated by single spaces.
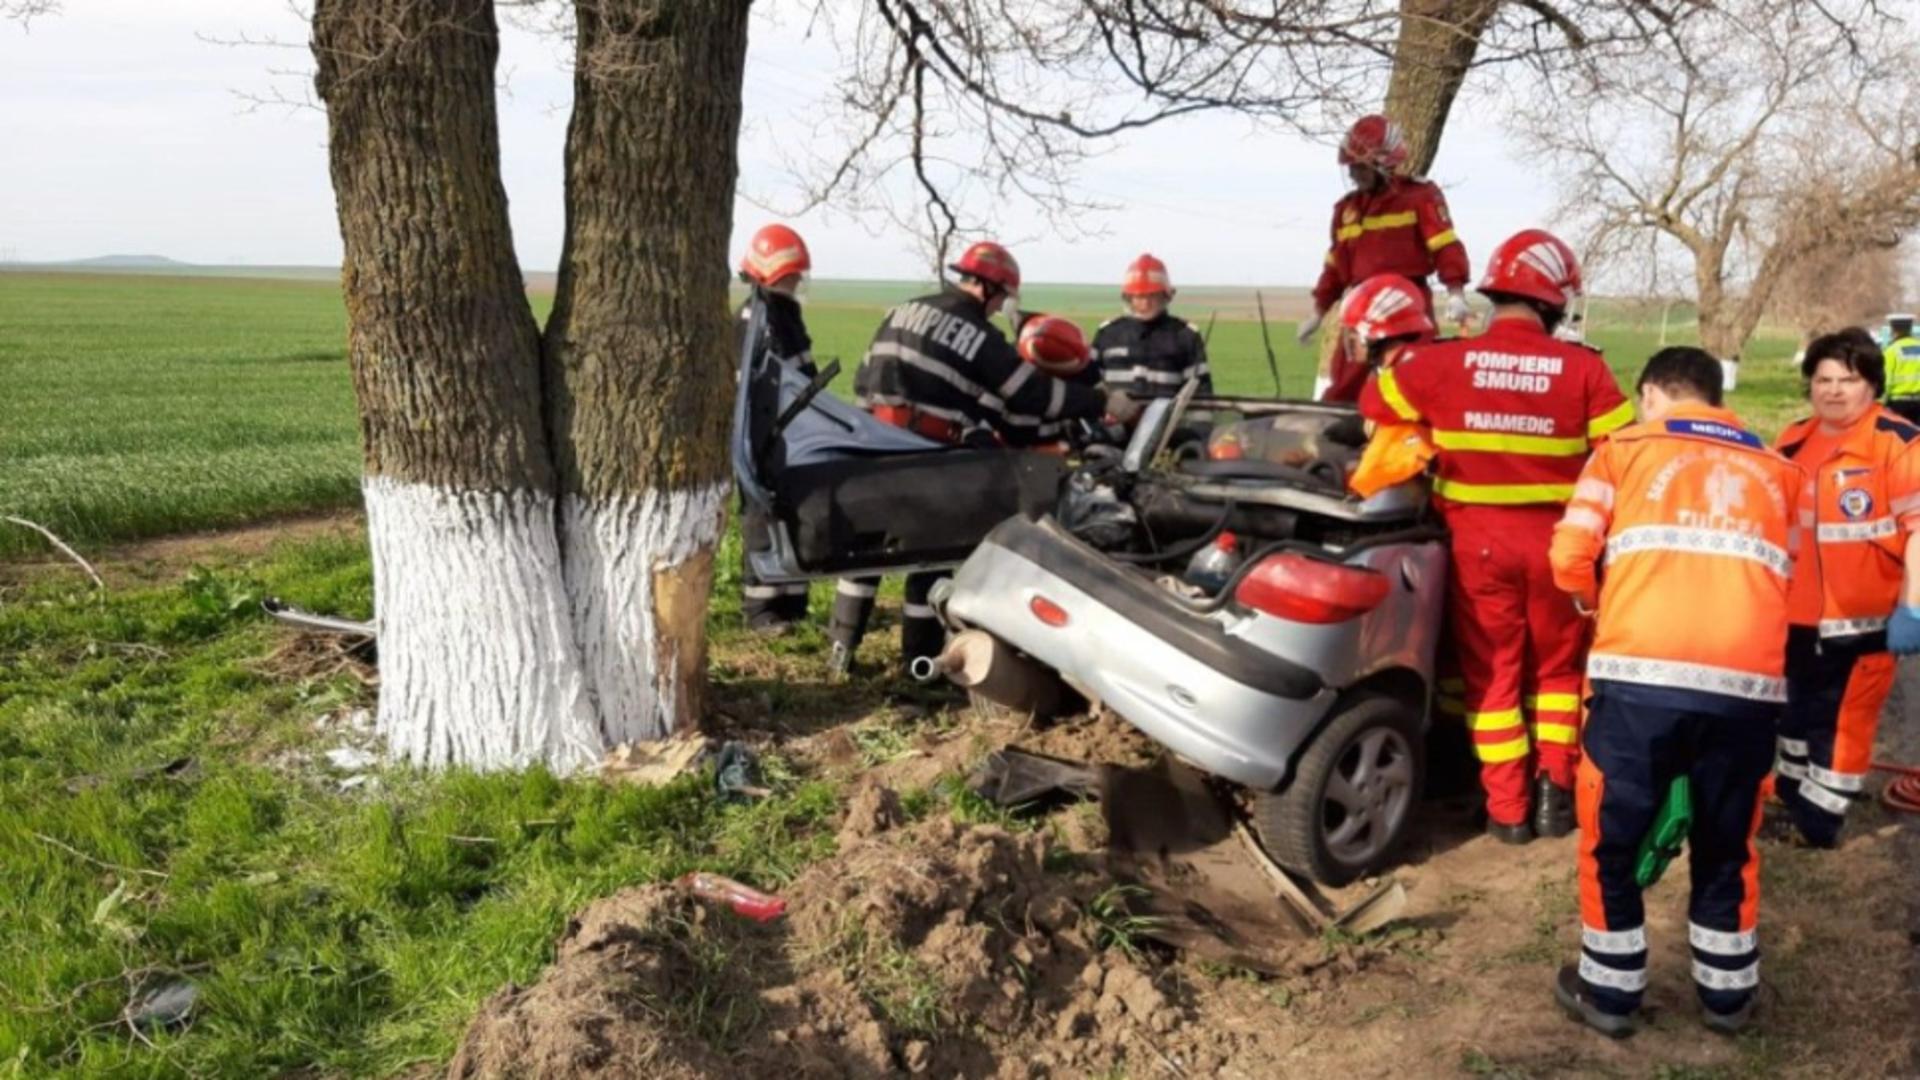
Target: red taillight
pixel 1303 589
pixel 1047 611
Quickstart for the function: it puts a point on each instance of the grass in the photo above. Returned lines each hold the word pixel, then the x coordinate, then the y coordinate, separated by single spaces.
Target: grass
pixel 348 932
pixel 139 405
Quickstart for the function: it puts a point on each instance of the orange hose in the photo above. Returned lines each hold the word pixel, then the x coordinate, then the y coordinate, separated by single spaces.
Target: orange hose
pixel 1903 792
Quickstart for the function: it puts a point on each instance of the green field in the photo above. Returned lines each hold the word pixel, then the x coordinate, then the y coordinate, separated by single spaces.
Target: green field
pixel 139 405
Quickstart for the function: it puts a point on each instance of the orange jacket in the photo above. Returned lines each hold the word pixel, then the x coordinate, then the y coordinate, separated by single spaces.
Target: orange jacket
pixel 1513 411
pixel 1866 500
pixel 1698 523
pixel 1403 229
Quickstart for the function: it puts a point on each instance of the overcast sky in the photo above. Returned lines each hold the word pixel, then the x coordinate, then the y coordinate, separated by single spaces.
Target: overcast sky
pixel 126 132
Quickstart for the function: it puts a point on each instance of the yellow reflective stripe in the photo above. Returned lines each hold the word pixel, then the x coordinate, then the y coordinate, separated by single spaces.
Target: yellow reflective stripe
pixel 1453 686
pixel 1435 243
pixel 1610 421
pixel 1561 734
pixel 1376 223
pixel 1502 443
pixel 1390 391
pixel 1500 494
pixel 1494 721
pixel 1495 753
pixel 1451 706
pixel 1554 702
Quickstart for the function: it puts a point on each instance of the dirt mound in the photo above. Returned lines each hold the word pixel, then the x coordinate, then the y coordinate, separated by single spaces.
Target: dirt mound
pixel 936 948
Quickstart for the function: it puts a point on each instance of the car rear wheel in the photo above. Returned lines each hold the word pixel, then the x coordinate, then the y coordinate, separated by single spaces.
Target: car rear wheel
pixel 1352 797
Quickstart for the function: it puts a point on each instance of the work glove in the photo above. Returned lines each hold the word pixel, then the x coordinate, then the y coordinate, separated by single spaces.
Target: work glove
pixel 1310 327
pixel 1903 631
pixel 1458 313
pixel 1122 407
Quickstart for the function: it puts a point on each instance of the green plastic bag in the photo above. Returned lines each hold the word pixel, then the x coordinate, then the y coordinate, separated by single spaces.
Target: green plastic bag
pixel 1663 842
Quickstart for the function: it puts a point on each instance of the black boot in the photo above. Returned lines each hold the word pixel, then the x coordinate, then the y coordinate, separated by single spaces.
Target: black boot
pixel 1572 997
pixel 1552 808
pixel 1511 834
pixel 1732 1023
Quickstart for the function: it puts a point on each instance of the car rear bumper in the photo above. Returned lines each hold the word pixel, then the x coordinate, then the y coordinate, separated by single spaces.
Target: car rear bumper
pixel 1225 705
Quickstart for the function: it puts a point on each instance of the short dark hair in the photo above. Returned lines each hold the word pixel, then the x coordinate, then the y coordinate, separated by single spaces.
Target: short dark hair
pixel 1682 371
pixel 1854 349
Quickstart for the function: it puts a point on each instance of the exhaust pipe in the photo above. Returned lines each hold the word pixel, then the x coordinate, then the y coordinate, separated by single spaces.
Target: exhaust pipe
pixel 990 669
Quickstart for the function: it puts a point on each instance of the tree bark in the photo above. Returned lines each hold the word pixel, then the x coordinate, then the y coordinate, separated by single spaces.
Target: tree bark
pixel 478 663
pixel 1431 56
pixel 638 366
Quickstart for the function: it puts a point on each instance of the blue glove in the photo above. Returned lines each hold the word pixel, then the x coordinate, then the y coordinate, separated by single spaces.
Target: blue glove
pixel 1903 631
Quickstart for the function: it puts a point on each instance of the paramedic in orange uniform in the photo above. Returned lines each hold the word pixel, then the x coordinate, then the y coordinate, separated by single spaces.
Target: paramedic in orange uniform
pixel 1864 463
pixel 1514 413
pixel 1697 524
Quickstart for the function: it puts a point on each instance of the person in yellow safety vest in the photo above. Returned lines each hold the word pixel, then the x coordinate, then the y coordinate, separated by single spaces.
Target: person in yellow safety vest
pixel 1902 356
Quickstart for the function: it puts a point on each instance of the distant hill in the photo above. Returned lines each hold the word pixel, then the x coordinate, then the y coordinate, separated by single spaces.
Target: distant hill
pixel 129 262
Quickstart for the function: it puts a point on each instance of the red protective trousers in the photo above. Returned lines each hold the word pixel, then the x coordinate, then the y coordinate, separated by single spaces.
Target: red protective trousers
pixel 1522 651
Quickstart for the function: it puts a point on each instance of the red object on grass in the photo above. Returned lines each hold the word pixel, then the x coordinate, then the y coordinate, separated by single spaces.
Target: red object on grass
pixel 751 903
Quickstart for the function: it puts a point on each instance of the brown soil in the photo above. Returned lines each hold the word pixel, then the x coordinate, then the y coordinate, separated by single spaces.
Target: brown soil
pixel 945 949
pixel 166 557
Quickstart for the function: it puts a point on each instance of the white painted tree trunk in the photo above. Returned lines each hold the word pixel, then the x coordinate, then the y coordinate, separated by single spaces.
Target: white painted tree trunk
pixel 479 665
pixel 636 574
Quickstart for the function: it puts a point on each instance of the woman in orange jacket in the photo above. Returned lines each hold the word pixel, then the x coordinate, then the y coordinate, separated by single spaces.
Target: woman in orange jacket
pixel 1864 606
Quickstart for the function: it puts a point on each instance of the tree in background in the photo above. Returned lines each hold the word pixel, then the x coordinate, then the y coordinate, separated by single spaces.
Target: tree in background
pixel 1789 137
pixel 979 107
pixel 542 515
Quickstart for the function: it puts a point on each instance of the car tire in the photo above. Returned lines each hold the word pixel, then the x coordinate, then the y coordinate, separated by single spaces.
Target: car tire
pixel 1353 796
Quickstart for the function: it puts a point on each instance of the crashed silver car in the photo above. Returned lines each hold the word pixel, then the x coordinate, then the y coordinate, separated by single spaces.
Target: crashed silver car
pixel 1304 678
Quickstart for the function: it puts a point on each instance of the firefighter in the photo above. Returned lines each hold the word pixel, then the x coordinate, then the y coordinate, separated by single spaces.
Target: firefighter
pixel 1388 224
pixel 1864 464
pixel 1697 524
pixel 1381 317
pixel 1148 352
pixel 1513 413
pixel 775 264
pixel 938 367
pixel 1902 356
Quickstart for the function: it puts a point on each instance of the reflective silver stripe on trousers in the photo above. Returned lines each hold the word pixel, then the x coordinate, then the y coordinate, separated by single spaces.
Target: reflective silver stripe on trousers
pixel 855 588
pixel 1722 942
pixel 1848 627
pixel 916 611
pixel 1678 675
pixel 1614 941
pixel 1714 978
pixel 1612 978
pixel 1858 530
pixel 760 592
pixel 1790 770
pixel 1796 747
pixel 1830 801
pixel 1848 782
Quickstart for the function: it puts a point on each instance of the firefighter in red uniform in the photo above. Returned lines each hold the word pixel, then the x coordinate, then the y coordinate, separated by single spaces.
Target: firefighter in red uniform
pixel 1388 224
pixel 1514 413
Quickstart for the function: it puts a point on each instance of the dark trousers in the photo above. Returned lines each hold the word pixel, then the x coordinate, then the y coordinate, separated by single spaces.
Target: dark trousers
pixel 1834 696
pixel 1637 740
pixel 921 633
pixel 764 606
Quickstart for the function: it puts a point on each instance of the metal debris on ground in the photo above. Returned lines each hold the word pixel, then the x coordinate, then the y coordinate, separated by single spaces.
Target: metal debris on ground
pixel 1012 777
pixel 736 774
pixel 166 1005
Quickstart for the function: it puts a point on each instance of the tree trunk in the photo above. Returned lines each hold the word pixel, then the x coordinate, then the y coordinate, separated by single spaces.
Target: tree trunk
pixel 1436 46
pixel 477 660
pixel 638 365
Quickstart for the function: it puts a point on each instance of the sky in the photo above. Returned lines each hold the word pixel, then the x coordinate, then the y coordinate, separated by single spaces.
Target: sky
pixel 137 127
